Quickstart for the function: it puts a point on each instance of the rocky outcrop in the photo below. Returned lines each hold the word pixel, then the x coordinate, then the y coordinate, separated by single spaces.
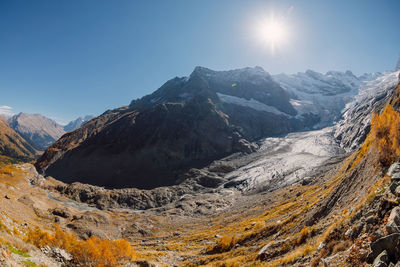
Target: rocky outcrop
pixel 393 224
pixel 386 249
pixel 382 260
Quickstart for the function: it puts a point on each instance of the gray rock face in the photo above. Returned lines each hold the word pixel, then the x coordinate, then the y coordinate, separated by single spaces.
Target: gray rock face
pixel 393 224
pixel 382 260
pixel 390 243
pixel 271 249
pixel 394 171
pixel 40 131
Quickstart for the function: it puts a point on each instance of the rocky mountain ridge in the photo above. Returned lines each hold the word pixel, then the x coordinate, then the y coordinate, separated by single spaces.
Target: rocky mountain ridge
pixel 40 131
pixel 190 122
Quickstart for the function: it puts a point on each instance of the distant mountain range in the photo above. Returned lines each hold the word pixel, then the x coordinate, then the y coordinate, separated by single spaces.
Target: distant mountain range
pixel 41 131
pixel 191 121
pixel 24 135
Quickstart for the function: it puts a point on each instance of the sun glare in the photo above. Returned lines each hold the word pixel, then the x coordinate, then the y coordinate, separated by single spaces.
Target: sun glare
pixel 272 33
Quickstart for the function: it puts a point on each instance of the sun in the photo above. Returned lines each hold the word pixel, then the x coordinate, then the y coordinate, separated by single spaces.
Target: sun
pixel 273 33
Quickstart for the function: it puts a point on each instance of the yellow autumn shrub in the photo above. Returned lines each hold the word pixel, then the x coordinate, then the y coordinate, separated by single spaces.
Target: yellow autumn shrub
pixel 94 252
pixel 385 133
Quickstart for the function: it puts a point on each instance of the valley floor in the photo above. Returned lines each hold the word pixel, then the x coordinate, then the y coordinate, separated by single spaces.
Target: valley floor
pixel 276 207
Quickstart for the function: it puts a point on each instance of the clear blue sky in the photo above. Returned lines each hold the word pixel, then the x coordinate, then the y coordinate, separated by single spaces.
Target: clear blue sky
pixel 70 58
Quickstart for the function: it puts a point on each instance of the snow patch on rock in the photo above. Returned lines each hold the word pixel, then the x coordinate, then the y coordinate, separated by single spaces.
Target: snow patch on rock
pixel 252 103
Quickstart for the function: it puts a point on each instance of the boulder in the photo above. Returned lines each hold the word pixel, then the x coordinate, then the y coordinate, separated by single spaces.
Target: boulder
pixel 394 171
pixel 58 254
pixel 390 243
pixel 393 224
pixel 266 251
pixel 393 186
pixel 271 249
pixel 61 255
pixel 322 245
pixel 64 213
pixel 382 260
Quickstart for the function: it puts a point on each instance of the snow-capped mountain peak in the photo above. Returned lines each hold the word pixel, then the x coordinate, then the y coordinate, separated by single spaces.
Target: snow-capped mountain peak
pixel 72 125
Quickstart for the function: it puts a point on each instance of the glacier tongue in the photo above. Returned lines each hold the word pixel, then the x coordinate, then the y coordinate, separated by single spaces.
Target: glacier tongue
pixel 285 160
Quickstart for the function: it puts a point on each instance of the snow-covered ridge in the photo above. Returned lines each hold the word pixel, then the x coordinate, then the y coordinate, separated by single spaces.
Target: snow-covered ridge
pixel 372 89
pixel 354 127
pixel 254 104
pixel 325 95
pixel 377 86
pixel 311 82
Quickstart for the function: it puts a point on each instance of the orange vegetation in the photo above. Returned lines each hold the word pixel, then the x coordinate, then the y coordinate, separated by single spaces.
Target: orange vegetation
pixel 384 135
pixel 385 129
pixel 92 252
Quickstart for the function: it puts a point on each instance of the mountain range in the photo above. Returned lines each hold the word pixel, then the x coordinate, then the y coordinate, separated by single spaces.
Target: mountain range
pixel 39 131
pixel 191 121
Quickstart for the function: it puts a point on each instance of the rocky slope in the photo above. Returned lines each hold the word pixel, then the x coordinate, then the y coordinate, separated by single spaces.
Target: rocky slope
pixel 13 145
pixel 40 131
